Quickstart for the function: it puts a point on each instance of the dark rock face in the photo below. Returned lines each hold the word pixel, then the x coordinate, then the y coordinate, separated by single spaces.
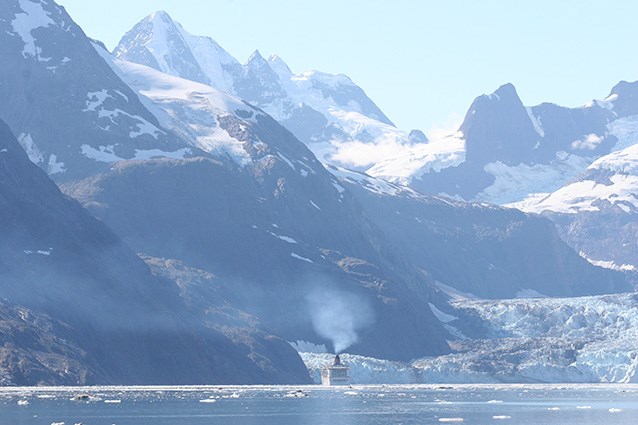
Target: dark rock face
pixel 110 320
pixel 258 83
pixel 626 103
pixel 275 237
pixel 488 251
pixel 497 127
pixel 417 136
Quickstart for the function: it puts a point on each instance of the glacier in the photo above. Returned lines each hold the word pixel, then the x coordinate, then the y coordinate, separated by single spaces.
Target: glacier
pixel 537 340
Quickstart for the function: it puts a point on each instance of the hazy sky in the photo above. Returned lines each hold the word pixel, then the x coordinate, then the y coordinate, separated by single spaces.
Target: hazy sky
pixel 421 61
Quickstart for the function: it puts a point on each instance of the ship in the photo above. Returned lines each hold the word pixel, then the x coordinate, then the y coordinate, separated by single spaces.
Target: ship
pixel 336 373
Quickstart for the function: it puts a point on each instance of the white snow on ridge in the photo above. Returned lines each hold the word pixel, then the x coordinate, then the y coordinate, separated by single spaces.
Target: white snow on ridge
pixel 190 109
pixel 538 126
pixel 576 197
pixel 284 238
pixel 211 58
pixel 625 130
pixel 142 154
pixel 414 161
pixel 95 99
pixel 106 154
pixel 369 183
pixel 33 16
pixel 619 189
pixel 55 166
pixel 513 183
pixel 624 161
pixel 299 257
pixel 101 154
pixel 33 152
pixel 609 264
pixel 367 141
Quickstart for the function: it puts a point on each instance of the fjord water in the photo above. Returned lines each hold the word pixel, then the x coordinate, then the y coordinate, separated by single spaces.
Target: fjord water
pixel 468 404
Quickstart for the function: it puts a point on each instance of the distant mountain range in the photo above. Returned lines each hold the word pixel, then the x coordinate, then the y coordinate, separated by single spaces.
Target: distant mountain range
pixel 503 152
pixel 237 185
pixel 330 113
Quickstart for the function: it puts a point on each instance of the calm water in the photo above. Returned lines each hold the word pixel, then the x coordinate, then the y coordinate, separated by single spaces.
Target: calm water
pixel 467 404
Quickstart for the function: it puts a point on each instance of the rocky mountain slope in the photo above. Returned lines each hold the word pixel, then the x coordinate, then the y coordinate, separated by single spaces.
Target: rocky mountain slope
pixel 596 212
pixel 264 213
pixel 79 307
pixel 47 57
pixel 246 233
pixel 482 249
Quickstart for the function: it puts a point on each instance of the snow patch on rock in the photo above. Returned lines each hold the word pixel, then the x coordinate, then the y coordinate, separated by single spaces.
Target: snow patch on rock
pixel 32 16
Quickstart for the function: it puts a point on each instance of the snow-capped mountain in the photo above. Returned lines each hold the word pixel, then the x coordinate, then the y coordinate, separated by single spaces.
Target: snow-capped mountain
pixel 597 212
pixel 262 210
pixel 330 113
pixel 178 153
pixel 46 57
pixel 505 152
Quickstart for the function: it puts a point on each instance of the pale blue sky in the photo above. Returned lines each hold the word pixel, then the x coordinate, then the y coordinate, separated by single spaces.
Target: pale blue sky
pixel 422 62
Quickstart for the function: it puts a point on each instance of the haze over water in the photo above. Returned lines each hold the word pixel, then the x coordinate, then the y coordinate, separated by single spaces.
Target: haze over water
pixel 470 404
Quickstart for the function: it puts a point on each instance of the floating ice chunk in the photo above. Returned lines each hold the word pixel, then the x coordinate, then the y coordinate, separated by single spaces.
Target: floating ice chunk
pixel 501 417
pixel 208 400
pixel 451 420
pixel 495 401
pixel 23 402
pixel 583 407
pixel 615 410
pixel 315 205
pixel 350 393
pixel 553 408
pixel 114 401
pixel 296 394
pixel 40 251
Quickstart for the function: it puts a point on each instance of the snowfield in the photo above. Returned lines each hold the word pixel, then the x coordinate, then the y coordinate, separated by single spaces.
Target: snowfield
pixel 577 340
pixel 618 185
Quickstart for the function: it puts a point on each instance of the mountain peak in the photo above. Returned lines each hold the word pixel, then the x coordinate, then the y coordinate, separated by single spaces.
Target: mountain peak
pixel 161 15
pixel 256 59
pixel 506 91
pixel 279 66
pixel 493 122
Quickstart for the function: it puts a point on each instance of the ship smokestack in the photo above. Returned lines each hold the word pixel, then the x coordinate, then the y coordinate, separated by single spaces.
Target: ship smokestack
pixel 335 373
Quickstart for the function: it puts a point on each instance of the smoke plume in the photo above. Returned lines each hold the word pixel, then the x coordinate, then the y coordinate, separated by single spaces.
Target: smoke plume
pixel 338 315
